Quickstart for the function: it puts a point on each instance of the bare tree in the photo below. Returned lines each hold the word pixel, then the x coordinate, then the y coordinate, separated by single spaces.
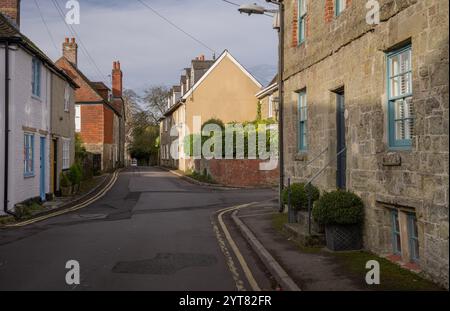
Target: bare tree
pixel 155 101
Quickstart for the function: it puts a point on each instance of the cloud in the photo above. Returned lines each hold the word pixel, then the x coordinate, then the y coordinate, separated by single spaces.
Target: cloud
pixel 151 51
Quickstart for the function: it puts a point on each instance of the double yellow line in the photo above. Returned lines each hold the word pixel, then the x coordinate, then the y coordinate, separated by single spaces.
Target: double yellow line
pixel 86 203
pixel 248 273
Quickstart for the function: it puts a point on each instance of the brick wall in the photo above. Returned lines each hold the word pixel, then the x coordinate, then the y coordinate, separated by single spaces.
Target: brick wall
pixel 108 122
pixel 238 173
pixel 92 128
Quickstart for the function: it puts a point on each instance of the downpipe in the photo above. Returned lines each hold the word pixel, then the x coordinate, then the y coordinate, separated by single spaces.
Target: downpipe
pixel 6 185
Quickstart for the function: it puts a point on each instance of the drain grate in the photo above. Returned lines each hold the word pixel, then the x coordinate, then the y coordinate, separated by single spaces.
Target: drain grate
pixel 164 264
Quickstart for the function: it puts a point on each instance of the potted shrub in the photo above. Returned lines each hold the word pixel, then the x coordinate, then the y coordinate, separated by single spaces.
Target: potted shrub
pixel 342 213
pixel 65 184
pixel 299 199
pixel 75 176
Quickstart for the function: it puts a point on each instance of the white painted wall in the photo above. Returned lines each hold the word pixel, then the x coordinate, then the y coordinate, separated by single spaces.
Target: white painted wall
pixel 26 111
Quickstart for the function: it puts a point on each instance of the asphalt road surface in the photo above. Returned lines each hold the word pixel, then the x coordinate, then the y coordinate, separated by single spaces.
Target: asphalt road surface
pixel 152 231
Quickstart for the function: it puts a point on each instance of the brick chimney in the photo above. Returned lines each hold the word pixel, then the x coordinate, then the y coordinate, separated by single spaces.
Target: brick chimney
pixel 117 78
pixel 70 51
pixel 11 9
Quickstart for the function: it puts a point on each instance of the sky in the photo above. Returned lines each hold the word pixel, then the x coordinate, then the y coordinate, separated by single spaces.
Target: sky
pixel 151 51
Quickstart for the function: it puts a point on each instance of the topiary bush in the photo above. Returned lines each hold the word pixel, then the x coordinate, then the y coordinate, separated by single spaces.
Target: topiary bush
pixel 339 208
pixel 299 195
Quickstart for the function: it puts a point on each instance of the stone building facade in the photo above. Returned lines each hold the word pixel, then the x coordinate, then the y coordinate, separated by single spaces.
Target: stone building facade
pixel 371 102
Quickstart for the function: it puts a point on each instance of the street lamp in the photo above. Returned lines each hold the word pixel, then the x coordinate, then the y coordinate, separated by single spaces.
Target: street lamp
pixel 254 9
pixel 257 9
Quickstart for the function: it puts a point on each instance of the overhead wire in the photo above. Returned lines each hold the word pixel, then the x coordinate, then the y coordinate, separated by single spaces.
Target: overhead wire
pixel 176 26
pixel 46 25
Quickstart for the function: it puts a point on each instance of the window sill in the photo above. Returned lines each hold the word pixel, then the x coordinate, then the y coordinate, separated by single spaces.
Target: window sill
pixel 301 156
pixel 37 98
pixel 398 149
pixel 28 176
pixel 392 159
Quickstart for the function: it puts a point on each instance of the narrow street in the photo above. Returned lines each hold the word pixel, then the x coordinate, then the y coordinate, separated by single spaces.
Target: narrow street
pixel 152 231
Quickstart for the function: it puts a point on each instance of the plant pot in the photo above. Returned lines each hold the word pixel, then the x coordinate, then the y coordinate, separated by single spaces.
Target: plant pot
pixel 66 191
pixel 343 237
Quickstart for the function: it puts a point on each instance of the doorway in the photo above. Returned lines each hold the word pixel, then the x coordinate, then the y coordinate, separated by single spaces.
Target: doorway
pixel 341 170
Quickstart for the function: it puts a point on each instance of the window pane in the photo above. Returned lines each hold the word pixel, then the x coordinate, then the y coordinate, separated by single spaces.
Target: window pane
pixel 405 84
pixel 302 32
pixel 395 87
pixel 399 109
pixel 405 61
pixel 302 7
pixel 395 66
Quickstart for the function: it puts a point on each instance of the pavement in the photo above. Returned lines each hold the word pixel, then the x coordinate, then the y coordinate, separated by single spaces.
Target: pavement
pixel 310 271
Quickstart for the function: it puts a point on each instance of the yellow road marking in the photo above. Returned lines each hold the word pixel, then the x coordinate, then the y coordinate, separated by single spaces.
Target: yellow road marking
pixel 73 208
pixel 248 273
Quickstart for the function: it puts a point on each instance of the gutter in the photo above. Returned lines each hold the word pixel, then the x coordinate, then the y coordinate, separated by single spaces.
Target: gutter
pixel 6 186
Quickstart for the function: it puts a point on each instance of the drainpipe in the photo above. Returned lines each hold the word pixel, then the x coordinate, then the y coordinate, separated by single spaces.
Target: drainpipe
pixel 7 78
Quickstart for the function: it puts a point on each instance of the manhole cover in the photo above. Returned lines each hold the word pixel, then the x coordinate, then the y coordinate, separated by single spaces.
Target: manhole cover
pixel 165 264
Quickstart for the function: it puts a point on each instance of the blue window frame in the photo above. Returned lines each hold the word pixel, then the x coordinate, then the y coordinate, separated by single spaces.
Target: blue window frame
pixel 396 238
pixel 302 122
pixel 36 77
pixel 413 237
pixel 28 151
pixel 302 11
pixel 339 6
pixel 400 108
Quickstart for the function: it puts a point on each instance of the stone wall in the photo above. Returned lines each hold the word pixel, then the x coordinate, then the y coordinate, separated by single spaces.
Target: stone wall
pixel 238 173
pixel 347 52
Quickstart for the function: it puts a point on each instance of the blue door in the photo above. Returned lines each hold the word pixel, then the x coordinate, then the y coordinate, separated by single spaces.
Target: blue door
pixel 42 166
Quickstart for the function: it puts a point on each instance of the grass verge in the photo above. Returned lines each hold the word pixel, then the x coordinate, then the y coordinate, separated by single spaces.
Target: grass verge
pixel 206 178
pixel 392 276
